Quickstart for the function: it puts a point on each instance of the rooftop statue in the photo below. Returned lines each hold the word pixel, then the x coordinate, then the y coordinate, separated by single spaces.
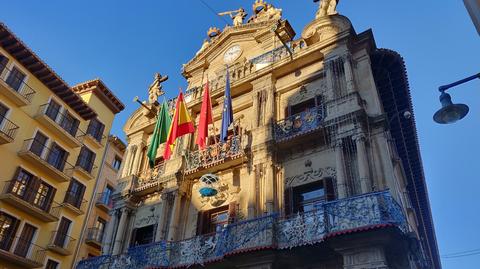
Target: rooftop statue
pixel 204 46
pixel 155 90
pixel 237 18
pixel 265 12
pixel 327 7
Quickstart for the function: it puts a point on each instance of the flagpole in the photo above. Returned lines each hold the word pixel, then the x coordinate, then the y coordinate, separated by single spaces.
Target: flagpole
pixel 213 118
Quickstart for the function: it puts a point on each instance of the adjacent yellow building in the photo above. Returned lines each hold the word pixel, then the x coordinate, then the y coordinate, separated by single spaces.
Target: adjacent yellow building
pixel 52 141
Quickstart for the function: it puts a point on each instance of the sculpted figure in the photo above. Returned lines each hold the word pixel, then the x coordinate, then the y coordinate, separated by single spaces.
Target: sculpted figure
pixel 273 13
pixel 155 89
pixel 204 46
pixel 238 18
pixel 327 7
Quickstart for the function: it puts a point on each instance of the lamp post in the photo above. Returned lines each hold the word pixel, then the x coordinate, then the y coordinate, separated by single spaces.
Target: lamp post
pixel 450 112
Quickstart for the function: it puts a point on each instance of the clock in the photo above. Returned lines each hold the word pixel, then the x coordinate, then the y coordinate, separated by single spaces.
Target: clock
pixel 232 54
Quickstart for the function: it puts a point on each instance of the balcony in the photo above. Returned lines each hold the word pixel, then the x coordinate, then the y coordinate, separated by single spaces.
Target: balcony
pixel 215 157
pixel 17 251
pixel 39 155
pixel 61 243
pixel 85 169
pixel 29 200
pixel 149 178
pixel 8 130
pixel 94 237
pixel 97 142
pixel 104 201
pixel 15 89
pixel 355 214
pixel 74 204
pixel 60 124
pixel 300 124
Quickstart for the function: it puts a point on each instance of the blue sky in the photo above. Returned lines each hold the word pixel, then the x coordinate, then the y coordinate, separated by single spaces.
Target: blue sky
pixel 126 42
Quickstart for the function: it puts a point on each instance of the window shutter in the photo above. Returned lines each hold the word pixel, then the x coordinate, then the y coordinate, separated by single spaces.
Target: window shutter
pixel 81 156
pixel 73 130
pixel 50 195
pixel 79 198
pixel 12 231
pixel 32 189
pixel 329 190
pixel 14 179
pixel 232 212
pixel 288 201
pixel 69 191
pixel 63 160
pixel 100 132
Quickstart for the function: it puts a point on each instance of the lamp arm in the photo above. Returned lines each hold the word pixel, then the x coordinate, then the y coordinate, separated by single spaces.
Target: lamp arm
pixel 448 86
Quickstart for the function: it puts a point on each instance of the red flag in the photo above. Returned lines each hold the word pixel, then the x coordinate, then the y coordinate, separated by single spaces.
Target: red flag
pixel 205 118
pixel 182 124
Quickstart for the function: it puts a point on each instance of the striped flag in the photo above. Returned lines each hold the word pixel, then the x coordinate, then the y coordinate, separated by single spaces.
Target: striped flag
pixel 182 124
pixel 205 118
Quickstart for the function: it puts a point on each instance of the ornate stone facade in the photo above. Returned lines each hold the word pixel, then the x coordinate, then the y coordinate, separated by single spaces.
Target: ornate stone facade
pixel 309 166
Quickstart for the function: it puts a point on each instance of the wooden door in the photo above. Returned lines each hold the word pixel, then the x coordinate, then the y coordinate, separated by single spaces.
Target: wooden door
pixel 61 237
pixel 38 144
pixel 25 240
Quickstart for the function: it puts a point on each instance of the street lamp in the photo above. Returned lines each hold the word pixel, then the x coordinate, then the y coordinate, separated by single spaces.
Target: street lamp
pixel 450 112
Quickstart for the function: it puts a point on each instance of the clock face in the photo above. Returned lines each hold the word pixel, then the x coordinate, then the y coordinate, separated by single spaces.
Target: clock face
pixel 232 54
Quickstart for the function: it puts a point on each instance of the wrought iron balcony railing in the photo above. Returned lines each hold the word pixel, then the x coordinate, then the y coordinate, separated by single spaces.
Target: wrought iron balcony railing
pixel 61 243
pixel 369 211
pixel 213 155
pixel 21 252
pixel 94 235
pixel 299 124
pixel 104 200
pixel 17 84
pixel 86 165
pixel 50 158
pixel 30 200
pixel 8 128
pixel 78 204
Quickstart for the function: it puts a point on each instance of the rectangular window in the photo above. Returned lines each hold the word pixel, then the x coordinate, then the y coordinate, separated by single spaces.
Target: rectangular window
pixel 142 236
pixel 117 162
pixel 307 197
pixel 303 106
pixel 8 228
pixel 86 158
pixel 211 220
pixel 62 233
pixel 43 195
pixel 25 240
pixel 53 109
pixel 3 113
pixel 15 78
pixel 75 193
pixel 21 184
pixel 57 156
pixel 3 63
pixel 38 144
pixel 95 129
pixel 51 264
pixel 100 226
pixel 69 123
pixel 107 196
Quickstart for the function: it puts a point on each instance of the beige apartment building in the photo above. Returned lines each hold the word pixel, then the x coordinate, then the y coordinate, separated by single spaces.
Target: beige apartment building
pixel 98 216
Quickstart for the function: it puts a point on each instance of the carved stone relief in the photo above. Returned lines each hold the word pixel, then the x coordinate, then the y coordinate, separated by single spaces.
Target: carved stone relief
pixel 310 175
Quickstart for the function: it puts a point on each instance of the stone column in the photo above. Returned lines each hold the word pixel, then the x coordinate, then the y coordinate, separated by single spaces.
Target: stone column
pixel 340 168
pixel 131 159
pixel 117 246
pixel 327 66
pixel 387 165
pixel 347 66
pixel 161 219
pixel 137 159
pixel 255 109
pixel 126 161
pixel 108 240
pixel 362 159
pixel 269 180
pixel 252 194
pixel 173 226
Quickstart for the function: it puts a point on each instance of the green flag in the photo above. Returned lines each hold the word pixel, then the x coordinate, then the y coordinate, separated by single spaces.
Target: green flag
pixel 160 133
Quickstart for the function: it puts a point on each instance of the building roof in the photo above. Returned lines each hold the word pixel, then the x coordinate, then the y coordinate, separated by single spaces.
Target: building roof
pixel 392 83
pixel 23 54
pixel 117 142
pixel 102 91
